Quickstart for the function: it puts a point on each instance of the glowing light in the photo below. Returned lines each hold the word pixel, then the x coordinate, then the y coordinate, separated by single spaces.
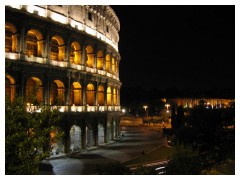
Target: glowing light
pixel 13 56
pixel 123 110
pixel 58 17
pixel 90 31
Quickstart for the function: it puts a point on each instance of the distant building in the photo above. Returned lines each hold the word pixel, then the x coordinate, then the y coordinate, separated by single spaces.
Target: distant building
pixel 208 102
pixel 71 53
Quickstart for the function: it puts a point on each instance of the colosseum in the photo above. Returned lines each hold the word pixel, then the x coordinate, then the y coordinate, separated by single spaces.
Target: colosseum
pixel 71 54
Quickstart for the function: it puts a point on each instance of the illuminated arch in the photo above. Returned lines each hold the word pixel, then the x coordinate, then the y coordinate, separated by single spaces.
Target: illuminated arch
pixel 10 87
pixel 90 94
pixel 109 96
pixel 57 93
pixel 100 59
pixel 90 56
pixel 113 65
pixel 76 94
pixel 75 55
pixel 34 43
pixel 10 38
pixel 34 94
pixel 108 63
pixel 114 97
pixel 75 138
pixel 100 95
pixel 57 49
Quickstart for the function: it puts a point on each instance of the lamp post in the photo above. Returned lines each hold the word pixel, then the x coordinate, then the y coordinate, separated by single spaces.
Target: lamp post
pixel 167 105
pixel 145 107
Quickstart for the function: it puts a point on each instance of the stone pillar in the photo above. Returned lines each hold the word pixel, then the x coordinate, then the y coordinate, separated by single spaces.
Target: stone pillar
pixel 67 49
pixel 96 94
pixel 84 92
pixel 84 137
pixel 110 69
pixel 104 60
pixel 68 89
pixel 47 91
pixel 47 48
pixel 84 55
pixel 95 57
pixel 105 93
pixel 22 40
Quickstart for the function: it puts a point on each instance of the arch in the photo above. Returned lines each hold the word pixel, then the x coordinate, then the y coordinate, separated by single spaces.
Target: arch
pixel 10 87
pixel 75 138
pixel 90 56
pixel 100 133
pixel 108 63
pixel 57 48
pixel 109 96
pixel 89 135
pixel 100 59
pixel 100 95
pixel 75 55
pixel 90 94
pixel 34 43
pixel 113 66
pixel 10 38
pixel 34 94
pixel 55 142
pixel 76 94
pixel 57 93
pixel 114 97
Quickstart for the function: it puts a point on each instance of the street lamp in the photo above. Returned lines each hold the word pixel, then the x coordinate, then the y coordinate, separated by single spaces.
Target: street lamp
pixel 145 107
pixel 167 105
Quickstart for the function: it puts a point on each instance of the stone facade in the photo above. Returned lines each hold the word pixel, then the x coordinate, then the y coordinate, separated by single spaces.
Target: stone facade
pixel 71 54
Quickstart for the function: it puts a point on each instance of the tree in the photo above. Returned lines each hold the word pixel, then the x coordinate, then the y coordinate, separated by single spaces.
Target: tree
pixel 27 136
pixel 184 162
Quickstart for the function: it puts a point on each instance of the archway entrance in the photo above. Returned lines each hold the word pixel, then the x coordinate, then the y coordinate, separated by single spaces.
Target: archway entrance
pixel 75 138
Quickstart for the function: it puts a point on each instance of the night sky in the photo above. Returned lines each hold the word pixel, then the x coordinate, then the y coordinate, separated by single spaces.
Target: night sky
pixel 182 47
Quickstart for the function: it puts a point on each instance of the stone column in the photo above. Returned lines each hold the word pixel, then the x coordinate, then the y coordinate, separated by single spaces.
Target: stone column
pixel 84 137
pixel 22 40
pixel 68 89
pixel 47 48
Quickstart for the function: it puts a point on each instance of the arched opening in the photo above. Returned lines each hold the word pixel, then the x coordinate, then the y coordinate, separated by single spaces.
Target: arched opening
pixel 109 129
pixel 10 38
pixel 118 98
pixel 76 94
pixel 101 95
pixel 89 136
pixel 90 94
pixel 34 44
pixel 113 65
pixel 75 55
pixel 57 93
pixel 55 142
pixel 100 134
pixel 114 97
pixel 100 59
pixel 57 49
pixel 34 93
pixel 75 138
pixel 90 56
pixel 10 87
pixel 109 96
pixel 108 63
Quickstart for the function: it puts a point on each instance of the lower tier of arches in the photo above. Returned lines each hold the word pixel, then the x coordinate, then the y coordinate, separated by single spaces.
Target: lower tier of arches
pixel 84 130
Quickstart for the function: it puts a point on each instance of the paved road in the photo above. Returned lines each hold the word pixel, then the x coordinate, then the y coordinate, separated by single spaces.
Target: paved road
pixel 135 140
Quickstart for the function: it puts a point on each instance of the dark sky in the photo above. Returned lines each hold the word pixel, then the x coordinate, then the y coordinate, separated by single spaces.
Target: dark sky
pixel 183 47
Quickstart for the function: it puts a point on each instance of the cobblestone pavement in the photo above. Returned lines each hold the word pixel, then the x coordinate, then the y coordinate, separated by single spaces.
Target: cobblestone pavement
pixel 136 139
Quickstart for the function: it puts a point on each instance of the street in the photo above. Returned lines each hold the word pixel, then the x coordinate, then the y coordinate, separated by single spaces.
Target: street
pixel 134 141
